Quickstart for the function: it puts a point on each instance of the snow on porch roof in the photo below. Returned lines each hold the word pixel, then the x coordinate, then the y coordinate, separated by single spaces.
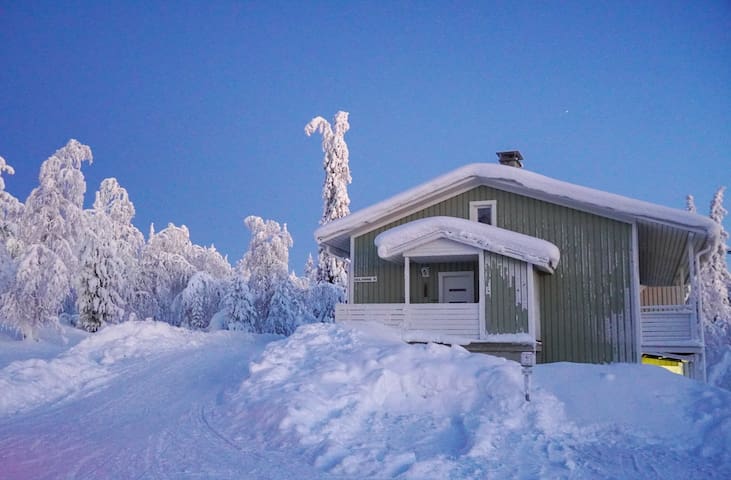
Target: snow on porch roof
pixel 393 243
pixel 336 233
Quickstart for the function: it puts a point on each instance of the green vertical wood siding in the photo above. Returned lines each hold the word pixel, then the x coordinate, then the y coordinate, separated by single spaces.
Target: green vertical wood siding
pixel 506 294
pixel 585 308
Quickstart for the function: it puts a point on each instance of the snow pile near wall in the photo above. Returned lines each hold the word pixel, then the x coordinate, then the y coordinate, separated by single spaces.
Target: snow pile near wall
pixel 26 384
pixel 718 351
pixel 356 403
pixel 363 404
pixel 647 408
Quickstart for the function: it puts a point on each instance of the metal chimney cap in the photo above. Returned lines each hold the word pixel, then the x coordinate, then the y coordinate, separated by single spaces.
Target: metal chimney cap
pixel 511 158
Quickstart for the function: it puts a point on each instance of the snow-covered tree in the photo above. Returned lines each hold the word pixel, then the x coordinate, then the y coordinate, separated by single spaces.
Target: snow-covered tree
pixel 53 214
pixel 49 230
pixel 266 263
pixel 321 300
pixel 287 309
pixel 101 281
pixel 715 276
pixel 714 279
pixel 4 168
pixel 113 203
pixel 239 305
pixel 10 212
pixel 164 273
pixel 207 259
pixel 200 300
pixel 336 203
pixel 37 292
pixel 10 245
pixel 310 270
pixel 690 204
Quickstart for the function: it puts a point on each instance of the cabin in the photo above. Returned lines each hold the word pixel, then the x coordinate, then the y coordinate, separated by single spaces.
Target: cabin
pixel 504 261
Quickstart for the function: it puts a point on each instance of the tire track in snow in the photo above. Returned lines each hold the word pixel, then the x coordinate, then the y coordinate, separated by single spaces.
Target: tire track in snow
pixel 166 401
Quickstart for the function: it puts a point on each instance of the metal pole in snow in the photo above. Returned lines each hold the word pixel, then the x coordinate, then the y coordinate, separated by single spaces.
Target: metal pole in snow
pixel 527 360
pixel 526 382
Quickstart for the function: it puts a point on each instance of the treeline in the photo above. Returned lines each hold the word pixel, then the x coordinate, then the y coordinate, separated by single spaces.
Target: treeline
pixel 93 267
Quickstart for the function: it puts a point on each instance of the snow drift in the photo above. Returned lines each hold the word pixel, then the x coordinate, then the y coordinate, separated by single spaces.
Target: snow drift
pixel 147 400
pixel 27 384
pixel 364 404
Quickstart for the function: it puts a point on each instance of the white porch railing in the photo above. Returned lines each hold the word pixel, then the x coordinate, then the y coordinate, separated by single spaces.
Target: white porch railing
pixel 391 314
pixel 667 325
pixel 457 319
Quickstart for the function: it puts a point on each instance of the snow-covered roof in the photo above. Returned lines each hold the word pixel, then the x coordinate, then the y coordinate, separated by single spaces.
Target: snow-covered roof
pixel 393 243
pixel 518 180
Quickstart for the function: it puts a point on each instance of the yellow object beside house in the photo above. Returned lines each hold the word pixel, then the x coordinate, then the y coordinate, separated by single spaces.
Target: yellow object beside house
pixel 675 366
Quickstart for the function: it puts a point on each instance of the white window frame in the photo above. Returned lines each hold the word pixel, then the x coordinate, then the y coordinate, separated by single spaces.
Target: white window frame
pixel 474 206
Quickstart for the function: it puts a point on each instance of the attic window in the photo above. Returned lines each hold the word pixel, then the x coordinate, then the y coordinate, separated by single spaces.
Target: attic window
pixel 484 211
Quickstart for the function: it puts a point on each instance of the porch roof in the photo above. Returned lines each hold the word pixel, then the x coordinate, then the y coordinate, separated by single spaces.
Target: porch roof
pixel 395 243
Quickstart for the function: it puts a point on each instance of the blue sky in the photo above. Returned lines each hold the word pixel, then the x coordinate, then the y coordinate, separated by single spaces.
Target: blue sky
pixel 198 108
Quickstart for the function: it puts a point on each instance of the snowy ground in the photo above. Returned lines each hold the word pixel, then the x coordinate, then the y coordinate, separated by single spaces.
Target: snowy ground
pixel 146 400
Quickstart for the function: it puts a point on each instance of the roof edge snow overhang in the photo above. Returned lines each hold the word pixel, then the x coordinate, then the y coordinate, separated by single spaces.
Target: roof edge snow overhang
pixel 395 242
pixel 519 181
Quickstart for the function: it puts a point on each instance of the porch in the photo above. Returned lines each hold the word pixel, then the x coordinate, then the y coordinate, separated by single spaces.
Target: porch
pixel 669 325
pixel 670 330
pixel 459 322
pixel 449 323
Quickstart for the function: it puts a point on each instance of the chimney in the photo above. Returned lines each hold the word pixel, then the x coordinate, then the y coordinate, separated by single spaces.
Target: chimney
pixel 512 158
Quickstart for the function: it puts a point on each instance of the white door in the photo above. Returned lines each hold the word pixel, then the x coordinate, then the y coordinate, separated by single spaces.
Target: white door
pixel 456 287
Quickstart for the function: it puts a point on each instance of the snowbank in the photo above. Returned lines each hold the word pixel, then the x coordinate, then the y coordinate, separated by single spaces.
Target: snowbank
pixel 369 405
pixel 146 400
pixel 362 403
pixel 27 384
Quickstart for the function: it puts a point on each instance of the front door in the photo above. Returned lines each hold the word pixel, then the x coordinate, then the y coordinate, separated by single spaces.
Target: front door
pixel 456 287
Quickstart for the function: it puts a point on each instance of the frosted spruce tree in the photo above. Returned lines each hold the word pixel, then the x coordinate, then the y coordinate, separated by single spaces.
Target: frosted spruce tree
pixel 310 270
pixel 336 203
pixel 200 300
pixel 287 309
pixel 101 282
pixel 715 279
pixel 239 304
pixel 266 263
pixel 113 204
pixel 715 275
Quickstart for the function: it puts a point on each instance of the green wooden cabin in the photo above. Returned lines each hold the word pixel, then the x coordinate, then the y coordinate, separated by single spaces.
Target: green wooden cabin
pixel 503 261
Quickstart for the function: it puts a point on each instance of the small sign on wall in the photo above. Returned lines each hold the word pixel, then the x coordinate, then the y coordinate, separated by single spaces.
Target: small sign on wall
pixel 365 279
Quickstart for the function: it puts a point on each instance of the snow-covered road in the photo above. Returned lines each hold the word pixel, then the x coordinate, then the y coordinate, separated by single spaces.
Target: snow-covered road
pixel 147 417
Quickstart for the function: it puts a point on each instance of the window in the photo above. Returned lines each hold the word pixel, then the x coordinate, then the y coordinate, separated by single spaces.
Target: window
pixel 484 211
